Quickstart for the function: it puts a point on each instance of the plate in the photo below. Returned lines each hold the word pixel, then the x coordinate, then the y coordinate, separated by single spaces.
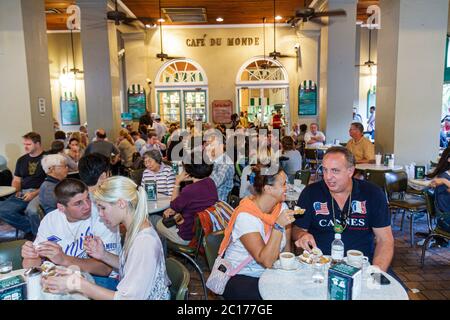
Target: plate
pixel 310 264
pixel 277 266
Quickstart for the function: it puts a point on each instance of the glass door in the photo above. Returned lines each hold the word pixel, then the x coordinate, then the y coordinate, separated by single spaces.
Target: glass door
pixel 169 106
pixel 195 106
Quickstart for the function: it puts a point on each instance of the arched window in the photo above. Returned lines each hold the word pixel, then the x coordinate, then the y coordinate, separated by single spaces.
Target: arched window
pixel 262 89
pixel 182 92
pixel 181 72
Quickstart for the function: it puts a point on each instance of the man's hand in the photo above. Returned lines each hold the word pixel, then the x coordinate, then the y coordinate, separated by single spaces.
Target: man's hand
pixel 306 242
pixel 52 251
pixel 28 196
pixel 28 251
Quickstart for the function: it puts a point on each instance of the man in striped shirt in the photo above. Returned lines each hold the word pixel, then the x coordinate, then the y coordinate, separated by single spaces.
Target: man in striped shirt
pixel 157 171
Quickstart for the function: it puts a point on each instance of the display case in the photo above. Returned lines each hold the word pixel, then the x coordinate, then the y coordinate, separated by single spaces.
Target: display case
pixel 169 106
pixel 195 106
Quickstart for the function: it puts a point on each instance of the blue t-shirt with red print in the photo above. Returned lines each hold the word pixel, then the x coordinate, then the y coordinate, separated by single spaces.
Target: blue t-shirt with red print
pixel 369 209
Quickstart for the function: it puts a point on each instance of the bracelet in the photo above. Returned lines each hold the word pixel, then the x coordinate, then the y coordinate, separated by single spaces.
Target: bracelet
pixel 176 186
pixel 276 226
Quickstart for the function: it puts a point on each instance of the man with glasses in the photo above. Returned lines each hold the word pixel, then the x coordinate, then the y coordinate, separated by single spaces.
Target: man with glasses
pixel 341 204
pixel 62 232
pixel 28 177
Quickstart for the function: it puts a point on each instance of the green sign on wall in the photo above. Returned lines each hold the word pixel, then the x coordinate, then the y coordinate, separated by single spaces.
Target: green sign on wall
pixel 307 98
pixel 70 113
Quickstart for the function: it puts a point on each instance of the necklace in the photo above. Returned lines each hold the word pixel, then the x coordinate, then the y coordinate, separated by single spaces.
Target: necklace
pixel 338 227
pixel 74 235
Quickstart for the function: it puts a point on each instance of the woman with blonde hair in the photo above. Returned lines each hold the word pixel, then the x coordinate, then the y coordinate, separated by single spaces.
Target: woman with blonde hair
pixel 141 262
pixel 125 144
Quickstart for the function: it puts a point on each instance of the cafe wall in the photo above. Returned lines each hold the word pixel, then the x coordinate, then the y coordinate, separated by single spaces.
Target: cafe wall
pixel 60 56
pixel 220 63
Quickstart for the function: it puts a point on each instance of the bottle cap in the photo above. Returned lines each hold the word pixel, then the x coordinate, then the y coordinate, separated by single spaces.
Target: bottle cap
pixel 337 236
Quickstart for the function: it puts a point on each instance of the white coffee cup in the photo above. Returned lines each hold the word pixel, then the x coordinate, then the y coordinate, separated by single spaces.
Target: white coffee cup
pixel 287 260
pixel 391 163
pixel 297 183
pixel 378 159
pixel 356 258
pixel 34 289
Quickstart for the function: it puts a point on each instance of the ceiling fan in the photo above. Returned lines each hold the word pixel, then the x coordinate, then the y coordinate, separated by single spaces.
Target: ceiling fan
pixel 74 69
pixel 276 54
pixel 120 17
pixel 369 63
pixel 267 64
pixel 309 14
pixel 163 55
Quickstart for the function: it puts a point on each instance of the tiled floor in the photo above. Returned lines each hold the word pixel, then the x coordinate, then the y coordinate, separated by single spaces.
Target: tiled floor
pixel 430 283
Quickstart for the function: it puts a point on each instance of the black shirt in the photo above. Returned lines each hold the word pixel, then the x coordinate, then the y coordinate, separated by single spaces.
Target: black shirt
pixel 369 210
pixel 29 169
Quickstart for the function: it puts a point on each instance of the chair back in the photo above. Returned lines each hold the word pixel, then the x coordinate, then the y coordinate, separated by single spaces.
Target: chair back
pixel 396 182
pixel 211 243
pixel 311 154
pixel 304 176
pixel 376 177
pixel 179 277
pixel 136 175
pixel 40 212
pixel 11 250
pixel 429 200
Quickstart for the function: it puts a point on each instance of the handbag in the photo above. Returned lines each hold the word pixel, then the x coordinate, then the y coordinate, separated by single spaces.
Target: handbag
pixel 223 270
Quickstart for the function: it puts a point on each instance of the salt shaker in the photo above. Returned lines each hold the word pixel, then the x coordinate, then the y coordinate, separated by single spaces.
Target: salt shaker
pixel 34 288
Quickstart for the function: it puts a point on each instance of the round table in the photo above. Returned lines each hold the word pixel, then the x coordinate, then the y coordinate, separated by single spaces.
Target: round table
pixel 275 284
pixel 45 295
pixel 372 166
pixel 6 191
pixel 162 203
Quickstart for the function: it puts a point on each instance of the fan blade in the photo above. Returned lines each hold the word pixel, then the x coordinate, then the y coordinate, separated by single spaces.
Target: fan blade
pixel 318 21
pixel 333 13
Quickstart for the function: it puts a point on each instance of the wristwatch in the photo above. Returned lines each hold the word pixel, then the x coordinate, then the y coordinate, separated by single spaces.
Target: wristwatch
pixel 276 226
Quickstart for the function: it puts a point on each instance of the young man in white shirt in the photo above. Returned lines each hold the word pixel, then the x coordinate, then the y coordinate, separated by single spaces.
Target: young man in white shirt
pixel 62 232
pixel 314 138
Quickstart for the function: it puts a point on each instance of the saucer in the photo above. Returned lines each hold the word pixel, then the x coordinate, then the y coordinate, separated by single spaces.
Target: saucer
pixel 277 266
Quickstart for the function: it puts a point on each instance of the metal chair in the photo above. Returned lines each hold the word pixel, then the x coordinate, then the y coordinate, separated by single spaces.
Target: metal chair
pixel 190 253
pixel 179 277
pixel 313 161
pixel 211 243
pixel 397 183
pixel 434 232
pixel 11 250
pixel 304 176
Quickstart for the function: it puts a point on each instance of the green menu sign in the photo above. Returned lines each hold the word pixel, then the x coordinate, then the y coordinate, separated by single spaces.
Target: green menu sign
pixel 70 114
pixel 307 98
pixel 136 101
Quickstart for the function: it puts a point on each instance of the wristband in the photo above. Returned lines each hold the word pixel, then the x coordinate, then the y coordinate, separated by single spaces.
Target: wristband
pixel 276 226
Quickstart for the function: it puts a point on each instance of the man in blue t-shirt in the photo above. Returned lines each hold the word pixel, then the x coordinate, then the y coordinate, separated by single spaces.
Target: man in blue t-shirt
pixel 366 221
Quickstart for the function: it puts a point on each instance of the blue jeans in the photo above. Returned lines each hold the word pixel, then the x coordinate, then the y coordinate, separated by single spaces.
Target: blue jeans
pixel 33 215
pixel 12 211
pixel 106 282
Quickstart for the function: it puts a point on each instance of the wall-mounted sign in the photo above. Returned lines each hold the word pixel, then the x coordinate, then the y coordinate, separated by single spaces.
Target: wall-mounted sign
pixel 218 42
pixel 222 111
pixel 136 100
pixel 307 98
pixel 70 113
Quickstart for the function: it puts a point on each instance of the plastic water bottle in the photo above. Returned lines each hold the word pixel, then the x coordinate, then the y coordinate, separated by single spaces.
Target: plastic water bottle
pixel 337 249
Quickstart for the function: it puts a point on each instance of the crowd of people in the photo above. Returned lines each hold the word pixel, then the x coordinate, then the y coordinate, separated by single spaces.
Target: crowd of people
pixel 98 219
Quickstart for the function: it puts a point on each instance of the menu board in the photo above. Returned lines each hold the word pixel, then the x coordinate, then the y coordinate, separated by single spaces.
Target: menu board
pixel 70 113
pixel 222 111
pixel 307 98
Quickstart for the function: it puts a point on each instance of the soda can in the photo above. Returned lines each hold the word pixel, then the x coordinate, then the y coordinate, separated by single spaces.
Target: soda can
pixel 151 189
pixel 175 167
pixel 419 172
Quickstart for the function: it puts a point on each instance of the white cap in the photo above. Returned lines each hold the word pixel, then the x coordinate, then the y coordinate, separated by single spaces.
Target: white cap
pixel 337 236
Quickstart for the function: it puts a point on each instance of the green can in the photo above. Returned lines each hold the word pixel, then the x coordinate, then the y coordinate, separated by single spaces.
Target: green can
pixel 419 172
pixel 151 189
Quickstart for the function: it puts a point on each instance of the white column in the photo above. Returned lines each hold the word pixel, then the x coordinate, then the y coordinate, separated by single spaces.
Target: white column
pixel 337 71
pixel 411 50
pixel 99 45
pixel 24 76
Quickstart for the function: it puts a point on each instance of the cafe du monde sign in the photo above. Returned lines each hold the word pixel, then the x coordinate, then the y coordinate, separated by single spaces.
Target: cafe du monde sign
pixel 218 42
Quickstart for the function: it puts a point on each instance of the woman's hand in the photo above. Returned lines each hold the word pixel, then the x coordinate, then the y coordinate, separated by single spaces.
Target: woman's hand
pixel 286 217
pixel 439 181
pixel 94 247
pixel 181 177
pixel 168 212
pixel 65 281
pixel 28 251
